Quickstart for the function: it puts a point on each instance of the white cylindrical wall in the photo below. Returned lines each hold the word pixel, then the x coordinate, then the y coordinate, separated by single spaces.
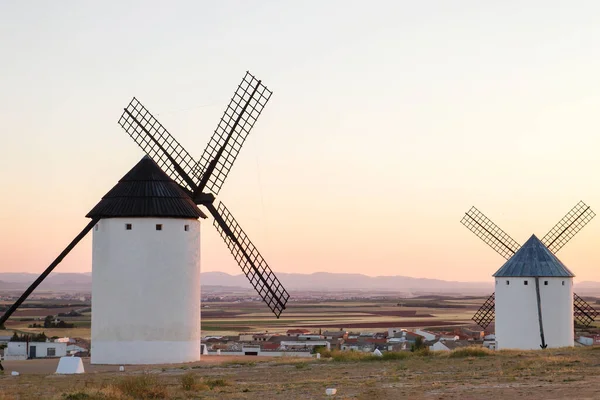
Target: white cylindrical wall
pixel 145 291
pixel 517 325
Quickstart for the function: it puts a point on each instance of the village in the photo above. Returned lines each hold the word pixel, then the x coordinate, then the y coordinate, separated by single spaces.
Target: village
pixel 292 343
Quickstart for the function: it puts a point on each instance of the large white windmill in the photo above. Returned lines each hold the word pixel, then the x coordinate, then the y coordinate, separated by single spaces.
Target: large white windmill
pixel 146 262
pixel 534 304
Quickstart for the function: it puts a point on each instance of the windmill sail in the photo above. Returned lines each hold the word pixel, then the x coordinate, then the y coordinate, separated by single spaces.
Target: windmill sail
pixel 249 259
pixel 490 233
pixel 159 144
pixel 47 272
pixel 486 313
pixel 584 313
pixel 568 226
pixel 238 119
pixel 210 172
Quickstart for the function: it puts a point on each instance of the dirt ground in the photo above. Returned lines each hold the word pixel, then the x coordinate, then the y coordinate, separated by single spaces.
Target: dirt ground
pixel 550 374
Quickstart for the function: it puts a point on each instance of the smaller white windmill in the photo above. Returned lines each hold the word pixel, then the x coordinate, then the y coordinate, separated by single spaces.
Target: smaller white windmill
pixel 534 303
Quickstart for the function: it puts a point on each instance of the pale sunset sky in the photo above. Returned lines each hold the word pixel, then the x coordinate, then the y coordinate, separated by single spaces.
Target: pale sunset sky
pixel 389 120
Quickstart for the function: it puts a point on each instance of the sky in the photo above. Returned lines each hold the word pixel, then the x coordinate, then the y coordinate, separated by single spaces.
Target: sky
pixel 389 120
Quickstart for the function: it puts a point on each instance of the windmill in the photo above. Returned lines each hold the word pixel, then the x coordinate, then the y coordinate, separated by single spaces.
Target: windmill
pixel 168 182
pixel 528 263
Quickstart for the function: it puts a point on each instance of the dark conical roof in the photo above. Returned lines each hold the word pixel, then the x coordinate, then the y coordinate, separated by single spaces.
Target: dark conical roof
pixel 533 259
pixel 146 191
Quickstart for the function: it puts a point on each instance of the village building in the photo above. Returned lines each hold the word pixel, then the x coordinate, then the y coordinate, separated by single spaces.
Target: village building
pixel 26 350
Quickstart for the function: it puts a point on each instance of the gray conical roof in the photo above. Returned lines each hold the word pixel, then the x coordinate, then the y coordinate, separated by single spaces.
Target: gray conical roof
pixel 533 259
pixel 146 191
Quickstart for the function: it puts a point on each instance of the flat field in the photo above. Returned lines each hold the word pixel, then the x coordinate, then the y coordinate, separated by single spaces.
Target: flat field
pixel 549 374
pixel 365 315
pixel 233 317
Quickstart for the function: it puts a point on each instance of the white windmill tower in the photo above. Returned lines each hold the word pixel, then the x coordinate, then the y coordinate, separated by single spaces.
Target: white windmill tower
pixel 146 274
pixel 534 300
pixel 534 304
pixel 146 271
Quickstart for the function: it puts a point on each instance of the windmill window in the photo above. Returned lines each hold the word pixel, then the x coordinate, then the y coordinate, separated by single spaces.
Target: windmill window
pixel 545 283
pixel 159 227
pixel 186 228
pixel 525 283
pixel 96 227
pixel 508 282
pixel 563 283
pixel 128 227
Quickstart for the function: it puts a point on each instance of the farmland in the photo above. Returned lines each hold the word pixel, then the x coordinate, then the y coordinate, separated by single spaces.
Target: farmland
pixel 232 317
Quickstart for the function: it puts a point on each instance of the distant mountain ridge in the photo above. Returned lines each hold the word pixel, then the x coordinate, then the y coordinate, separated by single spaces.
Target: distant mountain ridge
pixel 318 281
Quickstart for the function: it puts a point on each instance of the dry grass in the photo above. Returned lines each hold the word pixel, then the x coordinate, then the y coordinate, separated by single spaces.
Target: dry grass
pixel 463 373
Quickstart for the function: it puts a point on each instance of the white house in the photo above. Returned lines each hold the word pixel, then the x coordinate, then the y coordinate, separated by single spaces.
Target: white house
pixel 534 300
pixel 439 346
pixel 393 331
pixel 24 350
pixel 586 340
pixel 447 345
pixel 449 338
pixel 426 334
pixel 74 349
pixel 298 344
pixel 310 337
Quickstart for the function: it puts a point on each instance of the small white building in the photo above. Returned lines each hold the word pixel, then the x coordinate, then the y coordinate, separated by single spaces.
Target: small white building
pixel 440 345
pixel 74 349
pixel 312 336
pixel 429 336
pixel 300 344
pixel 534 300
pixel 25 350
pixel 586 340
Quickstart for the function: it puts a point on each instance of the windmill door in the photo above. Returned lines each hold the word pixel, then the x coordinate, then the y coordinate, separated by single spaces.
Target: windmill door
pixel 32 351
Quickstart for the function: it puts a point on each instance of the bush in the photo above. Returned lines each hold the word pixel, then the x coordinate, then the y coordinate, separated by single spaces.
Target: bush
pixel 395 355
pixel 106 393
pixel 418 345
pixel 470 352
pixel 144 386
pixel 76 396
pixel 323 352
pixel 188 381
pixel 218 382
pixel 424 352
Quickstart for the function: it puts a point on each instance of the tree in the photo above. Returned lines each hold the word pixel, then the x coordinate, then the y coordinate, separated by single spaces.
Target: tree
pixel 40 338
pixel 418 344
pixel 15 337
pixel 48 321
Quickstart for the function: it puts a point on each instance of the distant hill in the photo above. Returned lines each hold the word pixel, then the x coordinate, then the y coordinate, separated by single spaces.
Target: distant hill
pixel 330 281
pixel 319 281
